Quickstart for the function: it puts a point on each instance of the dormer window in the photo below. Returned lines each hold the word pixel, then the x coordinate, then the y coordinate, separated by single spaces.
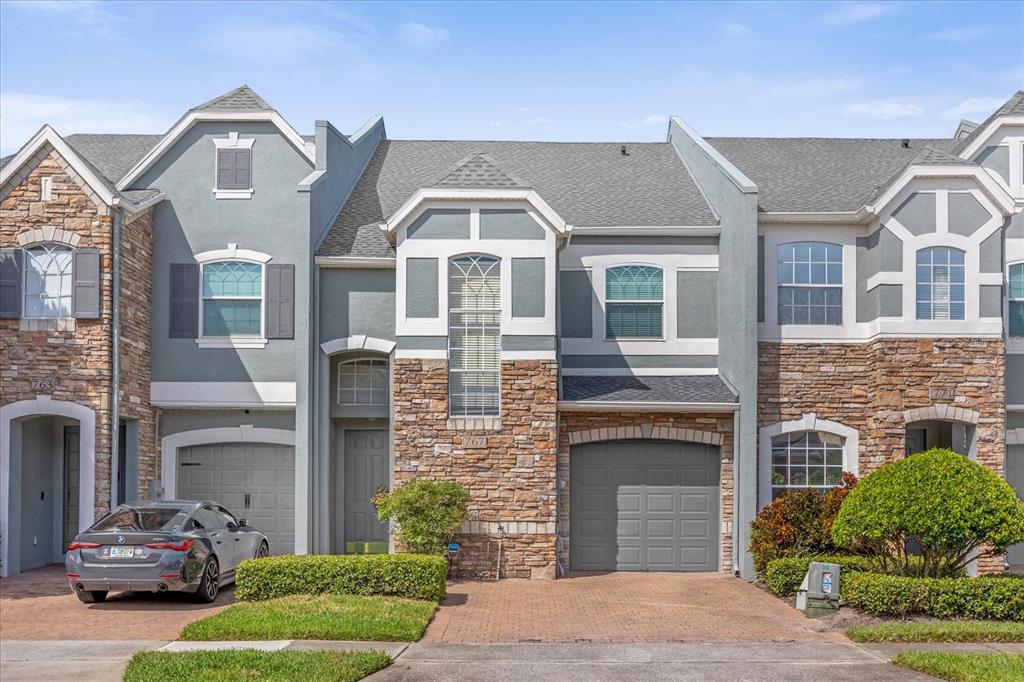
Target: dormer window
pixel 233 167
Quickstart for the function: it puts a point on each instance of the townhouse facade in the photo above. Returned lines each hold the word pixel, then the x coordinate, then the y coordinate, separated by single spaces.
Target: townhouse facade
pixel 622 350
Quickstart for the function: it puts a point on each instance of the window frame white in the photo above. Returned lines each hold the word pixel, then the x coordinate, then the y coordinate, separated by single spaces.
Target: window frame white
pixel 233 253
pixel 233 141
pixel 46 188
pixel 498 311
pixel 808 422
pixel 605 301
pixel 779 286
pixel 1011 299
pixel 70 274
pixel 360 362
pixel 931 284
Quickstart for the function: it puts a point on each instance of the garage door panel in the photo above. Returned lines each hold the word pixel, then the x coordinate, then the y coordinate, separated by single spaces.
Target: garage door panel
pixel 660 498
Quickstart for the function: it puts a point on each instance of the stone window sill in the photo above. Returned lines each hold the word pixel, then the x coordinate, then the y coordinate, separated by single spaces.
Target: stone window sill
pixel 228 342
pixel 35 325
pixel 233 193
pixel 474 423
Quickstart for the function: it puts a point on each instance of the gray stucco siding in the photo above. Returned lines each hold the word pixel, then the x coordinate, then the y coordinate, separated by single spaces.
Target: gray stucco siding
pixel 991 253
pixel 527 343
pixel 440 223
pixel 179 421
pixel 576 304
pixel 1015 226
pixel 991 300
pixel 996 158
pixel 917 213
pixel 966 214
pixel 356 301
pixel 890 300
pixel 499 223
pixel 696 304
pixel 1015 379
pixel 760 278
pixel 422 342
pixel 528 287
pixel 421 292
pixel 638 361
pixel 890 251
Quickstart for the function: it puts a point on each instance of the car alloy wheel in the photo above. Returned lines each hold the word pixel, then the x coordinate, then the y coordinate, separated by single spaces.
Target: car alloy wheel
pixel 263 551
pixel 211 580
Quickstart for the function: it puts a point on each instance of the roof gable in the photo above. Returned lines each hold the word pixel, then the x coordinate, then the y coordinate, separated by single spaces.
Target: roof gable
pixel 478 170
pixel 1011 107
pixel 242 98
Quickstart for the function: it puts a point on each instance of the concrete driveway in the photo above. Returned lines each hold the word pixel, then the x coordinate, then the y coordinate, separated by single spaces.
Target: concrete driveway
pixel 39 605
pixel 619 608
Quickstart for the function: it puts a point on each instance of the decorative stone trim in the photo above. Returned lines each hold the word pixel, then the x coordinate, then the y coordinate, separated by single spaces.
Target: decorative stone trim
pixel 942 412
pixel 644 431
pixel 34 325
pixel 507 528
pixel 357 342
pixel 474 423
pixel 48 234
pixel 1015 436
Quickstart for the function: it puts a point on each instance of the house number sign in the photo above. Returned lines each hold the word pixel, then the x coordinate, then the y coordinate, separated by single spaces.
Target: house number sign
pixel 474 442
pixel 940 394
pixel 45 384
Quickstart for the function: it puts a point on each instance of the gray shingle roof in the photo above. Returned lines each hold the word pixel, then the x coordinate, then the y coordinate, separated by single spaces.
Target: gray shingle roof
pixel 675 389
pixel 821 174
pixel 112 155
pixel 478 170
pixel 587 184
pixel 1011 107
pixel 241 98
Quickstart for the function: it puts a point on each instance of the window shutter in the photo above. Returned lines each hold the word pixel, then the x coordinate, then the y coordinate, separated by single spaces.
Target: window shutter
pixel 242 168
pixel 184 309
pixel 11 261
pixel 85 283
pixel 280 301
pixel 226 168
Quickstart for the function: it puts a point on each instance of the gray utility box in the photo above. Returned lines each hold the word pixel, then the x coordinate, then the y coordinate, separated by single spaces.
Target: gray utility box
pixel 819 593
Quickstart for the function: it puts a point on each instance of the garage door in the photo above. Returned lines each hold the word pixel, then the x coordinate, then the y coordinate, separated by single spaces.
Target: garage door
pixel 644 506
pixel 252 480
pixel 1015 477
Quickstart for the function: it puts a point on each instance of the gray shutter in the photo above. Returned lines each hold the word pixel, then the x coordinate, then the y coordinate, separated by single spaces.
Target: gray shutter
pixel 10 282
pixel 226 169
pixel 243 158
pixel 184 323
pixel 85 287
pixel 280 301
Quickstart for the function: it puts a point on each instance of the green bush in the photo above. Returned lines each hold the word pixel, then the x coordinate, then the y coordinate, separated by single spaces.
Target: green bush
pixel 399 575
pixel 426 513
pixel 945 503
pixel 783 576
pixel 797 523
pixel 987 597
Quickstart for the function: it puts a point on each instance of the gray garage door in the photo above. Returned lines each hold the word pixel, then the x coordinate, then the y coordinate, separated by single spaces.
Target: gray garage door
pixel 253 480
pixel 644 506
pixel 1015 477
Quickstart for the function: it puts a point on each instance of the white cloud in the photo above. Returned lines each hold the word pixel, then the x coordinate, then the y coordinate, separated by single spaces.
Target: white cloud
pixel 415 34
pixel 525 110
pixel 539 121
pixel 23 114
pixel 655 119
pixel 813 86
pixel 885 110
pixel 89 16
pixel 735 28
pixel 495 124
pixel 976 105
pixel 272 42
pixel 66 7
pixel 856 12
pixel 958 35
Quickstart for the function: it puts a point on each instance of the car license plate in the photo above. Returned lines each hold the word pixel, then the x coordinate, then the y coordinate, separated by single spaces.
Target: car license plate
pixel 122 552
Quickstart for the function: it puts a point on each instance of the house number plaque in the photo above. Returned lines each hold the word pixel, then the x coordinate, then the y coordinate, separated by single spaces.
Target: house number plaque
pixel 474 442
pixel 940 394
pixel 45 384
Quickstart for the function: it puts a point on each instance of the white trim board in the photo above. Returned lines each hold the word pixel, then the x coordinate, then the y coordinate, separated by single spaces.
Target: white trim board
pixel 643 406
pixel 234 394
pixel 357 342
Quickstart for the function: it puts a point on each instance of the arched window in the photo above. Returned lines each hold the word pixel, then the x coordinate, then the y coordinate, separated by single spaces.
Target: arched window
pixel 232 298
pixel 48 282
pixel 363 382
pixel 806 459
pixel 1016 296
pixel 810 283
pixel 634 301
pixel 474 336
pixel 940 283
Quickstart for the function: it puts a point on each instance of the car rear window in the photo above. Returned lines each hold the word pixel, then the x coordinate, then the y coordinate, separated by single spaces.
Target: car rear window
pixel 145 519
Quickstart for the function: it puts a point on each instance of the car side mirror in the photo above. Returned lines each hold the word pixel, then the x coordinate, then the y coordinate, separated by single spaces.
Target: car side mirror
pixel 232 526
pixel 242 523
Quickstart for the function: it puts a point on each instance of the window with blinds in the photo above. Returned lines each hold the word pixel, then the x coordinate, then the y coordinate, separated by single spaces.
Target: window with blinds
pixel 940 283
pixel 1016 297
pixel 634 302
pixel 474 336
pixel 232 298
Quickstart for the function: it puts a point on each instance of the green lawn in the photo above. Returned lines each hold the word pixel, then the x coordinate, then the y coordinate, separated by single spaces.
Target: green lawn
pixel 946 631
pixel 378 619
pixel 248 664
pixel 964 667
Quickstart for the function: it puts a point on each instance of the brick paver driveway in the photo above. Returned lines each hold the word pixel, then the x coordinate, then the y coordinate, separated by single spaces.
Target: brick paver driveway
pixel 620 608
pixel 39 605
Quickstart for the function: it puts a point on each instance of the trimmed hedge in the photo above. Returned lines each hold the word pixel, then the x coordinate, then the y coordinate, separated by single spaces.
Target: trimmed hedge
pixel 401 575
pixel 783 576
pixel 987 597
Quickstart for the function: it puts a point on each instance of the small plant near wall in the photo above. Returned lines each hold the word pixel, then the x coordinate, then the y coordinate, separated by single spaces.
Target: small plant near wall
pixel 940 501
pixel 426 513
pixel 797 524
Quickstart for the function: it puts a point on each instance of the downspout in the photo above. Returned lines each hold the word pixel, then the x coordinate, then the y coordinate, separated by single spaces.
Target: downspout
pixel 115 350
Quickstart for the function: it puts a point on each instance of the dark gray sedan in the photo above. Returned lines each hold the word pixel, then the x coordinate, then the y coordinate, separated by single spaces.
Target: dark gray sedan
pixel 161 546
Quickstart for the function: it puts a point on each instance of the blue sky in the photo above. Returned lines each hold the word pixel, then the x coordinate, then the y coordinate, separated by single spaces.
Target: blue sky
pixel 543 71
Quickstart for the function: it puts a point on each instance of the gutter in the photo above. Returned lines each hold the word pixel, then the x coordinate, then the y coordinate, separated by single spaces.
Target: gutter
pixel 115 349
pixel 643 406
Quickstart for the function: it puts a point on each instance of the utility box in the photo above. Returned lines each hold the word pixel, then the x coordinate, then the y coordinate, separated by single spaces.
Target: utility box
pixel 819 593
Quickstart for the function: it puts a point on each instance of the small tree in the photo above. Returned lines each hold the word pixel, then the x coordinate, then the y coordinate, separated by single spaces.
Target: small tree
pixel 941 501
pixel 426 513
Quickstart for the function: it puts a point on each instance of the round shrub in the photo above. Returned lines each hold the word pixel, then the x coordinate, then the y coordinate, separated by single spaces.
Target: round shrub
pixel 939 500
pixel 426 513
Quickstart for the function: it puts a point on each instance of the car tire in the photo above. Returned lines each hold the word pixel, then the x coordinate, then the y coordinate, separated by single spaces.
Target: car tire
pixel 263 551
pixel 209 586
pixel 91 596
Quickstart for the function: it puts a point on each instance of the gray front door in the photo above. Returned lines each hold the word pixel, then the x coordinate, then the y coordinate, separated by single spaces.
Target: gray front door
pixel 644 506
pixel 255 481
pixel 1015 477
pixel 366 472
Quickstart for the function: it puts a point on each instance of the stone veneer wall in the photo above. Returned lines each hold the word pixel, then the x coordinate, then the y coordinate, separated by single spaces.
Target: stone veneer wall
pixel 869 386
pixel 508 464
pixel 76 353
pixel 576 427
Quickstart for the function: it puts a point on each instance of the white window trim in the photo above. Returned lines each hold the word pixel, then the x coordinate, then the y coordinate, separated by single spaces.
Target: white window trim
pixel 233 253
pixel 1015 341
pixel 604 303
pixel 809 422
pixel 46 188
pixel 779 285
pixel 502 264
pixel 931 284
pixel 232 141
pixel 24 281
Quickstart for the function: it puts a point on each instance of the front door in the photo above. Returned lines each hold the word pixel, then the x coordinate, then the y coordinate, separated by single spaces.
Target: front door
pixel 366 472
pixel 71 452
pixel 916 441
pixel 1015 477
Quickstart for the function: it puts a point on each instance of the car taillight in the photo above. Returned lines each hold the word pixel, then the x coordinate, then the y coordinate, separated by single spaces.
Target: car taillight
pixel 182 546
pixel 73 576
pixel 82 545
